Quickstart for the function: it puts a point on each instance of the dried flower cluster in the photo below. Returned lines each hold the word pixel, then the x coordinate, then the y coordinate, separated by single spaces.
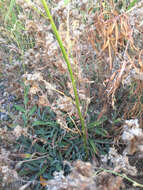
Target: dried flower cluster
pixel 132 136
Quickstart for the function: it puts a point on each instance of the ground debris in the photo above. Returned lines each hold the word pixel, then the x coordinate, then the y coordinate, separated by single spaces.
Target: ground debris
pixel 83 177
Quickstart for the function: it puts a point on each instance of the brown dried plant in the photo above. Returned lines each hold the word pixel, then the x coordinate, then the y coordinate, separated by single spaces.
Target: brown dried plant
pixel 113 37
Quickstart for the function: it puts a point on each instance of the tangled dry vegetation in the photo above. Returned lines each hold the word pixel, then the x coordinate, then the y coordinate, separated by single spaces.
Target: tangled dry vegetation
pixel 104 43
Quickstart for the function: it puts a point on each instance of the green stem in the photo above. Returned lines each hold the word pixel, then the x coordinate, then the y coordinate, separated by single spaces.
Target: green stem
pixel 70 71
pixel 135 184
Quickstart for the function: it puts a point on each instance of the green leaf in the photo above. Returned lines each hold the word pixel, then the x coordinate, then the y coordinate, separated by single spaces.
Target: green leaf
pixel 42 170
pixel 66 2
pixel 117 120
pixel 32 168
pixel 37 123
pixel 39 148
pixel 68 152
pixel 32 111
pixel 132 4
pixel 27 155
pixel 24 118
pixel 26 99
pixel 40 132
pixel 12 3
pixel 96 123
pixel 24 172
pixel 20 108
pixel 93 145
pixel 100 131
pixel 13 18
pixel 103 141
pixel 26 90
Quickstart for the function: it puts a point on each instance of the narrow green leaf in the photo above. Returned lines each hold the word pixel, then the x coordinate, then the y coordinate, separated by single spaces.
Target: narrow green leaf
pixel 68 152
pixel 32 111
pixel 37 123
pixel 26 99
pixel 24 119
pixel 12 3
pixel 96 123
pixel 117 120
pixel 26 90
pixel 13 18
pixel 42 170
pixel 100 131
pixel 66 2
pixel 24 172
pixel 132 4
pixel 103 141
pixel 39 148
pixel 31 168
pixel 20 108
pixel 93 145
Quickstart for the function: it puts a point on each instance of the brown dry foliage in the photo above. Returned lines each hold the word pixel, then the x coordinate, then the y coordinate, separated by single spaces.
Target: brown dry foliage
pixel 119 53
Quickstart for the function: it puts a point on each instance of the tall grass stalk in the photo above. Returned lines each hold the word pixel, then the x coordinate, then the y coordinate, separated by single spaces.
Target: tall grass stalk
pixel 10 9
pixel 66 58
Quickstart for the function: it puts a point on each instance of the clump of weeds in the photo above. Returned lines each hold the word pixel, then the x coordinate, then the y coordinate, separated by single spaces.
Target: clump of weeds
pixel 75 60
